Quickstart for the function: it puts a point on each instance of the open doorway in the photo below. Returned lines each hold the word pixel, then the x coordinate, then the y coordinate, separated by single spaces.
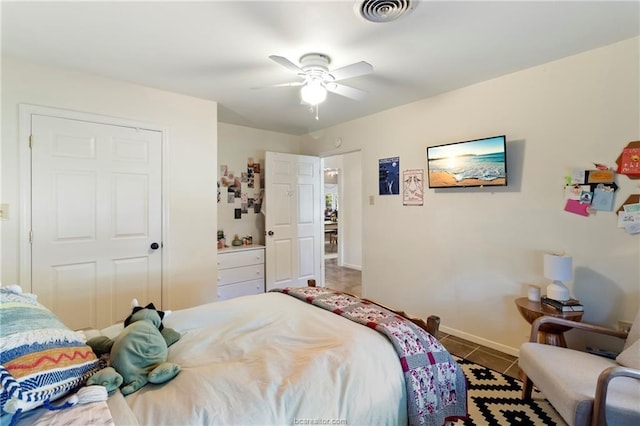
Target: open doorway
pixel 342 199
pixel 331 212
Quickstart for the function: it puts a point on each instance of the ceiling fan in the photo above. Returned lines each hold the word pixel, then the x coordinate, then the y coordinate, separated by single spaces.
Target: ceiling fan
pixel 317 80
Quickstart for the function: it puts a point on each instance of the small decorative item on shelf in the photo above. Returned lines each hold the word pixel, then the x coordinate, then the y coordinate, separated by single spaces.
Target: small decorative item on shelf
pixel 221 240
pixel 534 293
pixel 236 241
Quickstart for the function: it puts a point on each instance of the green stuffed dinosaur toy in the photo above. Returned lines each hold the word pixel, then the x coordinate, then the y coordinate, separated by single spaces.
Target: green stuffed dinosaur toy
pixel 138 355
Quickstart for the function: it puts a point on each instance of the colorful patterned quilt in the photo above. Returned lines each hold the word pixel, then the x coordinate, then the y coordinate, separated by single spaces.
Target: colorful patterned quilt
pixel 435 384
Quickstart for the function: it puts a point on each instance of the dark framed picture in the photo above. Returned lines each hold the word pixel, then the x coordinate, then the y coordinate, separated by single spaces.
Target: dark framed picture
pixel 389 176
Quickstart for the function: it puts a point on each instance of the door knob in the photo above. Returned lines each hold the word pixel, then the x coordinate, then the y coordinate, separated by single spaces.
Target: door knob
pixel 270 233
pixel 155 246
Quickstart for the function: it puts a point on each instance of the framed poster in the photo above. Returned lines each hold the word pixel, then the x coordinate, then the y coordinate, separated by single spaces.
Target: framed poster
pixel 413 187
pixel 389 176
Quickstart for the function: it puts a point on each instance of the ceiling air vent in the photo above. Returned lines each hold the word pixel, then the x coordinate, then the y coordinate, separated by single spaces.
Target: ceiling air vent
pixel 384 10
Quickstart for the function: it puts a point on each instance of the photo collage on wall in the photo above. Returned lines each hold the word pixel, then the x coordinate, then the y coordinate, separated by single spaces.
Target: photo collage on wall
pixel 245 188
pixel 589 190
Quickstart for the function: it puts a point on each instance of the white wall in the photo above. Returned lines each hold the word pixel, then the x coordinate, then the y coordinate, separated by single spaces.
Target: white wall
pixel 191 163
pixel 468 253
pixel 235 145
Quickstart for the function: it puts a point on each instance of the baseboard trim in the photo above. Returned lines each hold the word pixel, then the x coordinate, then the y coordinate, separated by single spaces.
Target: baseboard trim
pixel 480 341
pixel 356 267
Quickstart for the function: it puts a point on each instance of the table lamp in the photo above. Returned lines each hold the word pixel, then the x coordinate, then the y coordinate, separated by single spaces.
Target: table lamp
pixel 558 268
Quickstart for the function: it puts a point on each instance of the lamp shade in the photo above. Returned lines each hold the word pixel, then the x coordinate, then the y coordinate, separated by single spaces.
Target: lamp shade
pixel 558 268
pixel 313 93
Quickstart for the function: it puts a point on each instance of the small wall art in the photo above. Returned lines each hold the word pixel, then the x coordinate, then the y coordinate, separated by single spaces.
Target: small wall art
pixel 588 190
pixel 629 215
pixel 389 176
pixel 629 160
pixel 413 187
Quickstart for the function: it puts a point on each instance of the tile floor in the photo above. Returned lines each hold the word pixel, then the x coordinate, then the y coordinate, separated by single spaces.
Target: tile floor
pixel 350 281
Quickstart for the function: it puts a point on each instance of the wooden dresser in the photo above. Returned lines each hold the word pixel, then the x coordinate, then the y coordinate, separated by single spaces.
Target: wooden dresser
pixel 240 271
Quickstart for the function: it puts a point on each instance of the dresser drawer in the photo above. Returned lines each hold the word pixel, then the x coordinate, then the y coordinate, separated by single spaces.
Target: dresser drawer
pixel 240 258
pixel 240 289
pixel 243 273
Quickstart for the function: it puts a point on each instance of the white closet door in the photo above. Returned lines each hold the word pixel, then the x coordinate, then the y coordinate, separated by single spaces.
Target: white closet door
pixel 96 219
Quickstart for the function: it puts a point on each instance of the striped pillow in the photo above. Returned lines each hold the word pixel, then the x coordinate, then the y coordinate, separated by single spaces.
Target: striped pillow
pixel 41 359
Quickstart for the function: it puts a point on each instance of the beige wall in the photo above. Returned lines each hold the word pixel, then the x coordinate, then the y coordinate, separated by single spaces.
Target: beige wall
pixel 235 145
pixel 191 125
pixel 468 253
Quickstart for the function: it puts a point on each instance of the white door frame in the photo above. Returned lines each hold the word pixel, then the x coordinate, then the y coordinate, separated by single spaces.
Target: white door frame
pixel 25 113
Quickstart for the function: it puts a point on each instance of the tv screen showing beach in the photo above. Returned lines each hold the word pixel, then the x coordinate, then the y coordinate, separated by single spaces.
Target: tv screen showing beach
pixel 480 162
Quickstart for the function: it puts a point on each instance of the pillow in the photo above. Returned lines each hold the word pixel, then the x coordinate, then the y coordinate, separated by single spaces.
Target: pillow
pixel 630 357
pixel 634 332
pixel 40 358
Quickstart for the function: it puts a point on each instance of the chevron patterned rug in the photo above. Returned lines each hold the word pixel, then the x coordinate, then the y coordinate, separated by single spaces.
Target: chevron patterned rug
pixel 494 399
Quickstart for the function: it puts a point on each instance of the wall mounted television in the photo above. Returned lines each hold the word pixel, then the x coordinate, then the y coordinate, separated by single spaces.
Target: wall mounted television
pixel 478 162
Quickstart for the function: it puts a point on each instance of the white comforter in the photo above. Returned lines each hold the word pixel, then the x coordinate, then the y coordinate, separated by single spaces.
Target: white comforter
pixel 270 359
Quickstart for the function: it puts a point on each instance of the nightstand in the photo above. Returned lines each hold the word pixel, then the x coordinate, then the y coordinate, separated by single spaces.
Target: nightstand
pixel 550 334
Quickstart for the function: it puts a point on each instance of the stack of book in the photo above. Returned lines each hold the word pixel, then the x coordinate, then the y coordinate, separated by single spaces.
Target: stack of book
pixel 571 305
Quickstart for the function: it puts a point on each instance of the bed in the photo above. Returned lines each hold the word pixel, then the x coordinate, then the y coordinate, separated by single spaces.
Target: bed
pixel 294 356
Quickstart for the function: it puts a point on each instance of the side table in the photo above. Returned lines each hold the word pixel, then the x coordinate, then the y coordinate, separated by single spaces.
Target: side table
pixel 551 334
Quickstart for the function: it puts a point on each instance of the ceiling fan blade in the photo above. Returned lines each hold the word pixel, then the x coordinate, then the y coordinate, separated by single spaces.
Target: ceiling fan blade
pixel 291 84
pixel 347 91
pixel 286 63
pixel 353 70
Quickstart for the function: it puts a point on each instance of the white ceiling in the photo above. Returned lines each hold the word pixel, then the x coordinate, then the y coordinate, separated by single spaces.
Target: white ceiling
pixel 219 50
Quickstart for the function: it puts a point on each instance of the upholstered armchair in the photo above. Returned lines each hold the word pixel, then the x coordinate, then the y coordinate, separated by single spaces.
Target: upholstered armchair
pixel 585 389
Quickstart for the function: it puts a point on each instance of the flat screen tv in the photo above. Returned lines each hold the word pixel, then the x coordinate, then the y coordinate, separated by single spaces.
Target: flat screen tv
pixel 479 162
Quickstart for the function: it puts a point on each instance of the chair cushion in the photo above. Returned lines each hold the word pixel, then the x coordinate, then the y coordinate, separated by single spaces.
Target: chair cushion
pixel 41 359
pixel 568 379
pixel 630 357
pixel 634 332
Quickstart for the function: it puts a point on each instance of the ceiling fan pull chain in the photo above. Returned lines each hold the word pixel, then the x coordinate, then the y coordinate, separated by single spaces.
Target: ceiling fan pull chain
pixel 317 106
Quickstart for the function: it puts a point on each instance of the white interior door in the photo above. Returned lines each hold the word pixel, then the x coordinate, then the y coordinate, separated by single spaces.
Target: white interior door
pixel 293 220
pixel 96 218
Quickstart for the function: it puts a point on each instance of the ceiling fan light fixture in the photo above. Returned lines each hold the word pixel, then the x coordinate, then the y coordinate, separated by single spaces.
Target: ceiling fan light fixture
pixel 313 93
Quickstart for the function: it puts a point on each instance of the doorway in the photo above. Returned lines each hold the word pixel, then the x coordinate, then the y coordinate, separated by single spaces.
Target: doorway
pixel 343 193
pixel 331 211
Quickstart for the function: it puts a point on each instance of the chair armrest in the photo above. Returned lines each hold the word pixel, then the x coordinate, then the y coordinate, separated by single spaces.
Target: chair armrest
pixel 602 387
pixel 535 327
